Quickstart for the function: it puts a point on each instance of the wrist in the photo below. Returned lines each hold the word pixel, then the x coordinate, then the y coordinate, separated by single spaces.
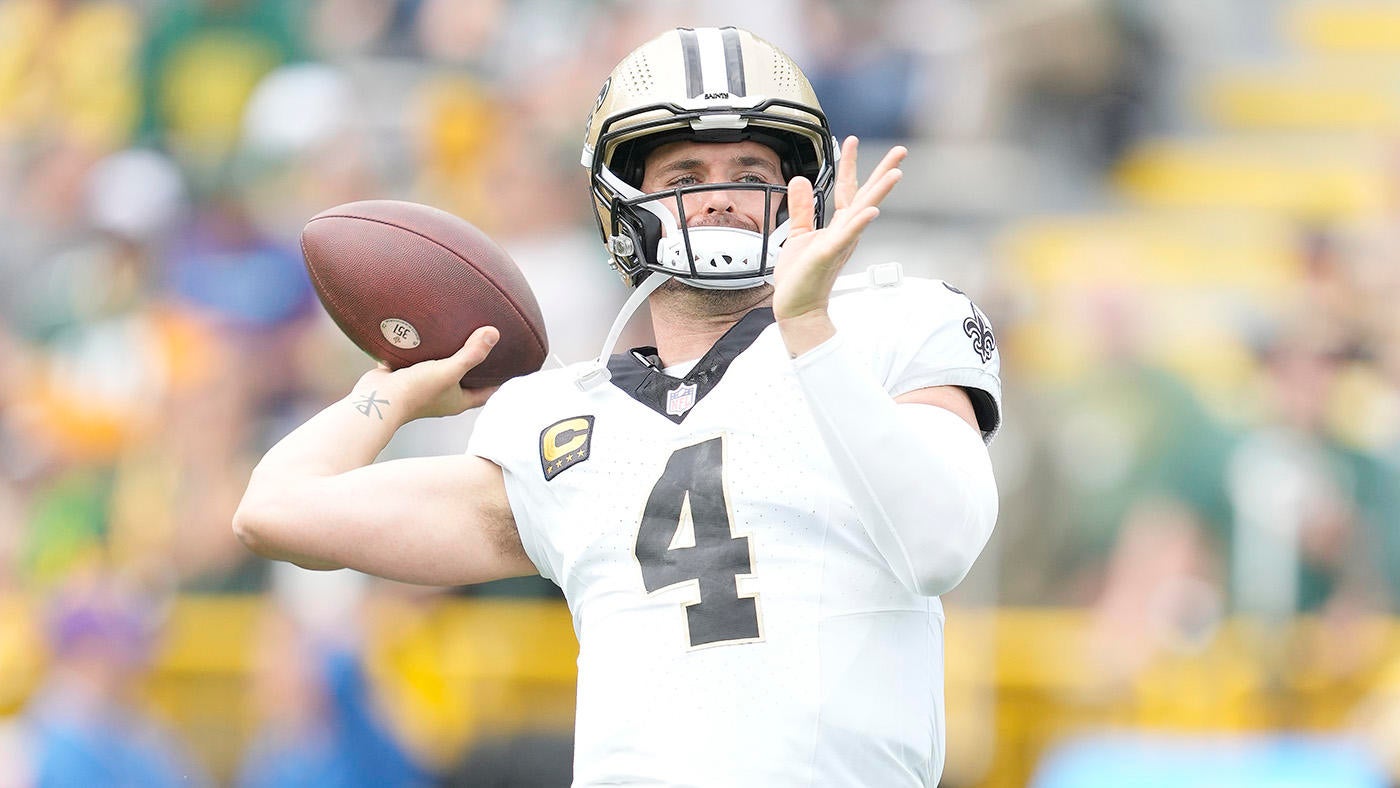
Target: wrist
pixel 377 398
pixel 805 331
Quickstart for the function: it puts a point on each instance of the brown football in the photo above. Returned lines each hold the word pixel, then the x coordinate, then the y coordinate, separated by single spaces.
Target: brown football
pixel 408 282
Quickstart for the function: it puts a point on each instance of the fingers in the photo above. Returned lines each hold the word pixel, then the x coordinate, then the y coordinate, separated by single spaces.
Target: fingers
pixel 875 191
pixel 844 236
pixel 846 172
pixel 848 195
pixel 801 207
pixel 893 157
pixel 884 178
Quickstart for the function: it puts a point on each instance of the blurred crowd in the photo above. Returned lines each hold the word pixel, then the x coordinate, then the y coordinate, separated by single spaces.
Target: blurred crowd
pixel 158 332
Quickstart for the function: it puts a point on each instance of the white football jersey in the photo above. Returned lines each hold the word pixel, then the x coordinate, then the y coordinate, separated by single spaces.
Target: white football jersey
pixel 737 627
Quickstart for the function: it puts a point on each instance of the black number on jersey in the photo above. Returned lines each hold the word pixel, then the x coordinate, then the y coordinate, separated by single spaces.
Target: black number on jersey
pixel 691 491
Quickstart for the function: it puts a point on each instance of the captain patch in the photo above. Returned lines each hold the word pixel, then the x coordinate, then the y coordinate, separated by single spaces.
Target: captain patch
pixel 565 444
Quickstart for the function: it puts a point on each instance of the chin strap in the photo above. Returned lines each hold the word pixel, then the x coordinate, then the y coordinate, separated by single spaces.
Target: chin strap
pixel 596 373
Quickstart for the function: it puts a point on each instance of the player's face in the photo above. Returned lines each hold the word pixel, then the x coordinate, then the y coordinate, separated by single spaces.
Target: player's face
pixel 698 163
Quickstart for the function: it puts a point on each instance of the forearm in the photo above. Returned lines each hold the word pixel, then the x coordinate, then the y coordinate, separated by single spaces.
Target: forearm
pixel 348 434
pixel 919 476
pixel 319 499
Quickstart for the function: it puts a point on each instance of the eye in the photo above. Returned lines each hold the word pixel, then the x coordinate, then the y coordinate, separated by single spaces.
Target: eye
pixel 752 177
pixel 684 180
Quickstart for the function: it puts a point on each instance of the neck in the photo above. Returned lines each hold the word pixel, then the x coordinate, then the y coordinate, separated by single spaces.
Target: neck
pixel 688 321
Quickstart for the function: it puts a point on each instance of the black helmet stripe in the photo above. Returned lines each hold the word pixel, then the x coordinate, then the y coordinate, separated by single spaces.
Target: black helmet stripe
pixel 733 60
pixel 690 49
pixel 714 61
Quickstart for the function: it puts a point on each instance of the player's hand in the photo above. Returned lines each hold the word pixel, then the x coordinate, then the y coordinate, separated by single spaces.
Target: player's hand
pixel 431 388
pixel 812 258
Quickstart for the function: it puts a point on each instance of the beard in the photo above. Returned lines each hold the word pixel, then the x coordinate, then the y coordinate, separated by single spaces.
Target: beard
pixel 696 302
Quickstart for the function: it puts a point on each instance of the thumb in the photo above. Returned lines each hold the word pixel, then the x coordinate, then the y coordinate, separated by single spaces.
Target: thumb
pixel 474 350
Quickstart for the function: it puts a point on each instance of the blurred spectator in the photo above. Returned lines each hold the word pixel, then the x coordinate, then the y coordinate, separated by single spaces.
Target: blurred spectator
pixel 66 71
pixel 307 143
pixel 866 84
pixel 346 28
pixel 1312 516
pixel 222 266
pixel 1127 443
pixel 1081 77
pixel 525 760
pixel 84 723
pixel 318 721
pixel 158 159
pixel 199 65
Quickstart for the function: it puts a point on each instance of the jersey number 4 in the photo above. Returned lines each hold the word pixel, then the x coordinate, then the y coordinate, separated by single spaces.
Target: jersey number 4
pixel 689 497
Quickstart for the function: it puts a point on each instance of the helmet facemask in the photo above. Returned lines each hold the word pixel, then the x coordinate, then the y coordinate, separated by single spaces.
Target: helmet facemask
pixel 652 232
pixel 701 85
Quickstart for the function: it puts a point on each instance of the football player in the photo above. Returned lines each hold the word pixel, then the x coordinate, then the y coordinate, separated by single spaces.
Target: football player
pixel 752 520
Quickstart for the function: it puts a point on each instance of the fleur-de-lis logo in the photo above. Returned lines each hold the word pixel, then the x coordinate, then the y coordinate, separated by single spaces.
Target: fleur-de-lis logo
pixel 980 331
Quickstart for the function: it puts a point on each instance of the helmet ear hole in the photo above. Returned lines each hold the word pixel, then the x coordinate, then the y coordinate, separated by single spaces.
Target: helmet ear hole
pixel 644 227
pixel 651 235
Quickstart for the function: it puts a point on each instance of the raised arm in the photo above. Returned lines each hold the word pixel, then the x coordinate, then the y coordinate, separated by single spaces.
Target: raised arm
pixel 317 498
pixel 915 467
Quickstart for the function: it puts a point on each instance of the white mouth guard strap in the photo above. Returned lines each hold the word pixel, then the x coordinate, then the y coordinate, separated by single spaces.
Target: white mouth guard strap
pixel 597 373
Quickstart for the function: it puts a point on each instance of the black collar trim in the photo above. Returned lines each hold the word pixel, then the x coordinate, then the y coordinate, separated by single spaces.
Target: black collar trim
pixel 638 372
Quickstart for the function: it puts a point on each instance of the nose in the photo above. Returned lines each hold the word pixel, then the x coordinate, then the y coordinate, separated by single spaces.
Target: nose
pixel 716 202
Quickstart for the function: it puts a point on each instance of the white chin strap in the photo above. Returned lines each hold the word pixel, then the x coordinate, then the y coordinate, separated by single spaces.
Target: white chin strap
pixel 596 373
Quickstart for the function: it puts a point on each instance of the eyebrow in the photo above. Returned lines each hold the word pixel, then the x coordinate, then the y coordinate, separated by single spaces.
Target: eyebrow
pixel 682 165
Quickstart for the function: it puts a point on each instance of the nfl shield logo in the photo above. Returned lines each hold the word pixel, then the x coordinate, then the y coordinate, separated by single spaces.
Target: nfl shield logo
pixel 680 399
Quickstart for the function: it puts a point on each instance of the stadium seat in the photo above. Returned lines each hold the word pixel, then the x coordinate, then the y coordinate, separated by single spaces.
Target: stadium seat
pixel 1306 177
pixel 1239 250
pixel 1344 26
pixel 1315 95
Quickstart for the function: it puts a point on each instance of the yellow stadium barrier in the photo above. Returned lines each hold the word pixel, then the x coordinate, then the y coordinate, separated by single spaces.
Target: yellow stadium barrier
pixel 1344 25
pixel 1018 680
pixel 1334 95
pixel 1177 276
pixel 1310 177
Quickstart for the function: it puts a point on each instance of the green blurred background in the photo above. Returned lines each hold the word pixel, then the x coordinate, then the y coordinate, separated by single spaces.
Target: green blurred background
pixel 1182 217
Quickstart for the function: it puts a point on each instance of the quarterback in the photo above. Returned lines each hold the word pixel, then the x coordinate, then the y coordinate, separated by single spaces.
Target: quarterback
pixel 752 520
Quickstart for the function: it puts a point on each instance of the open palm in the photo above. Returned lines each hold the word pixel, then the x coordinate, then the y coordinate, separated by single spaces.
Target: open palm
pixel 812 258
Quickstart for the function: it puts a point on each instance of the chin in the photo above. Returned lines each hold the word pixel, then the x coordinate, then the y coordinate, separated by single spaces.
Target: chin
pixel 706 301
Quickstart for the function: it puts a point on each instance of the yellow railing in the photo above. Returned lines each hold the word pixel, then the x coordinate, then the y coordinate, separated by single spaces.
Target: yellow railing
pixel 1018 680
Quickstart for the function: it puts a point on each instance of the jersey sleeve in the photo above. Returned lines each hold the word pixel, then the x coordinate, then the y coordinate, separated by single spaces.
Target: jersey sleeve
pixel 497 436
pixel 928 333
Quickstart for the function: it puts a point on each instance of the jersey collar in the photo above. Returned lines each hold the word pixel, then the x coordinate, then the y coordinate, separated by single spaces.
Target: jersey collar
pixel 638 375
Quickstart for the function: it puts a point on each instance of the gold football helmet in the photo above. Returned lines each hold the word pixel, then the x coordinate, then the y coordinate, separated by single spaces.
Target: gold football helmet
pixel 707 85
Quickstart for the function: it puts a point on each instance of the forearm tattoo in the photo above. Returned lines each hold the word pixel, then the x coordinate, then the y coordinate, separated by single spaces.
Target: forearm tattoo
pixel 369 404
